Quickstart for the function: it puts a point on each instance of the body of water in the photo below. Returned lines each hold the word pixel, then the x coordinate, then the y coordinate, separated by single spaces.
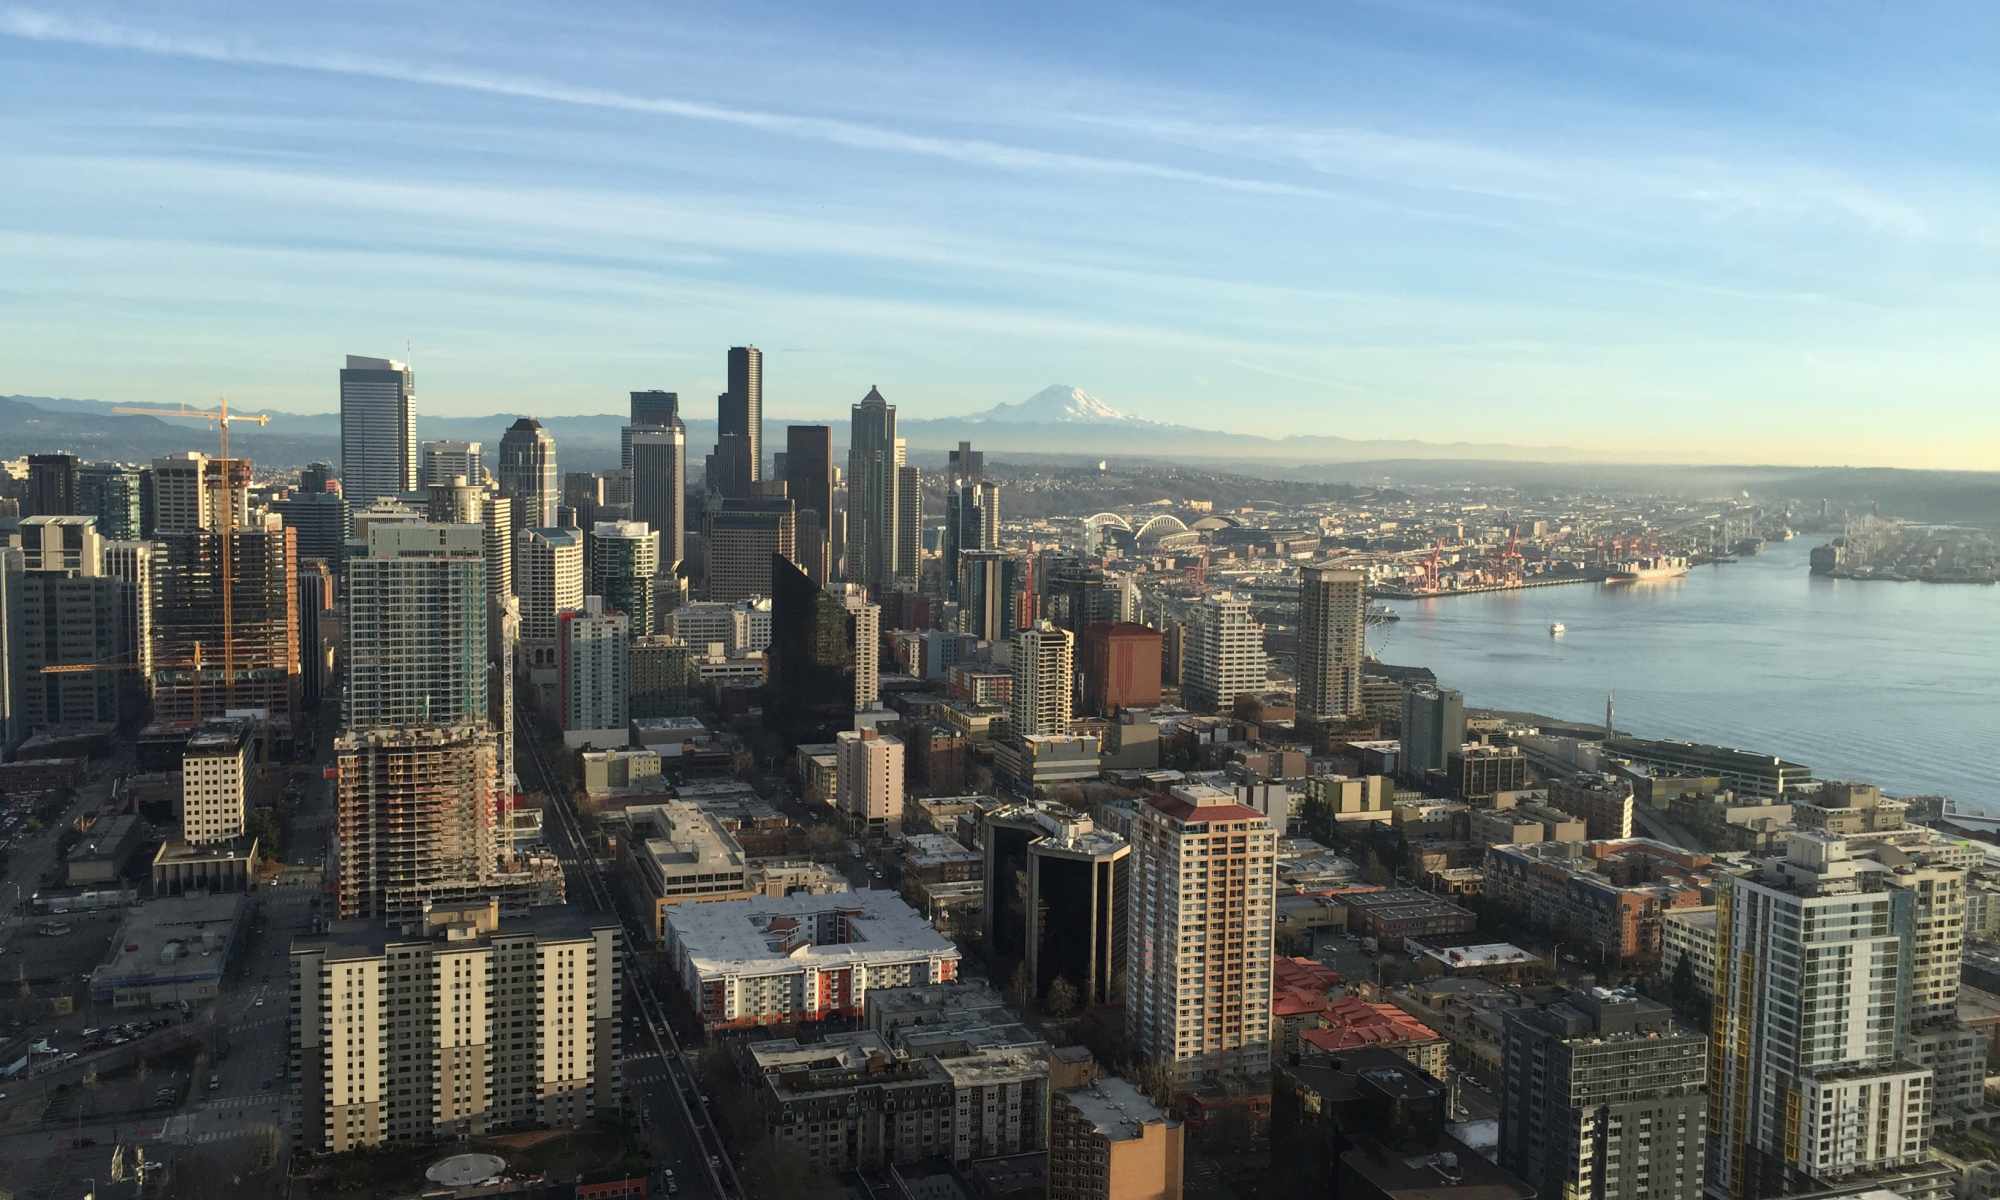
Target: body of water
pixel 1892 683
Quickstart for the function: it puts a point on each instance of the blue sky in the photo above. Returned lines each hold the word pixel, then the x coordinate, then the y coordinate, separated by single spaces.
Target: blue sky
pixel 1700 230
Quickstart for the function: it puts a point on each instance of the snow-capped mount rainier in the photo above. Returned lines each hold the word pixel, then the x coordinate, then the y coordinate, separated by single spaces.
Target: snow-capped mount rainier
pixel 1059 404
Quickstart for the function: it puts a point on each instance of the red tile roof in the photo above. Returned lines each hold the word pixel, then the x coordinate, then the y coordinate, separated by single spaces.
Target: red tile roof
pixel 1352 1023
pixel 1203 814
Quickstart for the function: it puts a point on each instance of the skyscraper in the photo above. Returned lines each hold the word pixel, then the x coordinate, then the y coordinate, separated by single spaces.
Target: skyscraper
pixel 416 627
pixel 378 429
pixel 1225 654
pixel 496 513
pixel 111 493
pixel 809 482
pixel 1433 730
pixel 870 788
pixel 971 516
pixel 1332 610
pixel 1058 904
pixel 135 564
pixel 742 535
pixel 1198 991
pixel 1044 673
pixel 528 474
pixel 11 602
pixel 659 485
pixel 51 486
pixel 739 426
pixel 909 525
pixel 627 556
pixel 1604 1096
pixel 1807 1084
pixel 322 521
pixel 66 612
pixel 1120 667
pixel 871 493
pixel 992 591
pixel 650 410
pixel 190 680
pixel 446 461
pixel 181 498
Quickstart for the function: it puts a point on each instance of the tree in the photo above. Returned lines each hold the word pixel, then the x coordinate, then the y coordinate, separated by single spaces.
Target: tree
pixel 1021 986
pixel 1062 998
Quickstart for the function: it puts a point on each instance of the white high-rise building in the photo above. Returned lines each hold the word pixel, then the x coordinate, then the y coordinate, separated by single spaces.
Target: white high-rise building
pixel 1225 654
pixel 1200 928
pixel 181 501
pixel 416 626
pixel 869 770
pixel 446 461
pixel 595 656
pixel 548 578
pixel 1044 674
pixel 496 513
pixel 1808 1085
pixel 378 429
pixel 452 1025
pixel 214 783
pixel 865 620
pixel 1333 612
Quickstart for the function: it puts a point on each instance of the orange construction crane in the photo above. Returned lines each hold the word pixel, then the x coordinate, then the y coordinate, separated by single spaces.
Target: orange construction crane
pixel 222 419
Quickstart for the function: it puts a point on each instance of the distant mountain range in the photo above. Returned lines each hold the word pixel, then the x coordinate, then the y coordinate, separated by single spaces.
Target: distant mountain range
pixel 1046 423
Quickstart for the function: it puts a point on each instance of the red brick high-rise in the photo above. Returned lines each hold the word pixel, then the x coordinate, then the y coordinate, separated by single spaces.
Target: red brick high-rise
pixel 1121 667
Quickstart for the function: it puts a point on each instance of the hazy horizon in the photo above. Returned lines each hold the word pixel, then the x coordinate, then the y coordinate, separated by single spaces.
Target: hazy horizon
pixel 1705 233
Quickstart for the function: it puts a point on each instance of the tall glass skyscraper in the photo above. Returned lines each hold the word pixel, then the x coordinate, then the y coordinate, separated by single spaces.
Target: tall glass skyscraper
pixel 378 429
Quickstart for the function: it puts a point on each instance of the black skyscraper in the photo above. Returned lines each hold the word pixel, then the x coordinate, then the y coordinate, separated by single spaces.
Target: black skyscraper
pixel 809 482
pixel 739 425
pixel 51 485
pixel 655 408
pixel 811 657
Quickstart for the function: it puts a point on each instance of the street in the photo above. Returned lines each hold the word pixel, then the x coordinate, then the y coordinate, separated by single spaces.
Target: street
pixel 656 1077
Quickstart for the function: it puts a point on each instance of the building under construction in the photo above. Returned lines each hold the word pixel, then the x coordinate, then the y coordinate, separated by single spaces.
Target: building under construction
pixel 416 809
pixel 191 663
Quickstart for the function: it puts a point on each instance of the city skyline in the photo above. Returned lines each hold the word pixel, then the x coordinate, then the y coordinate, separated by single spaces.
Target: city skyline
pixel 1451 222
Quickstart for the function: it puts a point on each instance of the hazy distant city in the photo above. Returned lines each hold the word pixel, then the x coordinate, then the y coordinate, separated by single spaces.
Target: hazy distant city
pixel 1384 601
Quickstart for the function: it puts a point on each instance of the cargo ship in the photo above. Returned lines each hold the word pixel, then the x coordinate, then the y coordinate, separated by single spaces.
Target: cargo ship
pixel 1642 570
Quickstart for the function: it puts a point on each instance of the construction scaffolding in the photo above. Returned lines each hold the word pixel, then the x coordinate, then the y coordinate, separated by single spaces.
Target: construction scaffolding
pixel 193 679
pixel 417 808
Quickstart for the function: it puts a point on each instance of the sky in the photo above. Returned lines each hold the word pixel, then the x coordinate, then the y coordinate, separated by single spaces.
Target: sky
pixel 1698 231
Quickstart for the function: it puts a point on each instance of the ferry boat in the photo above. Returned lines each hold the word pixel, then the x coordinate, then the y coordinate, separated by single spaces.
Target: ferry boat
pixel 1557 629
pixel 1641 570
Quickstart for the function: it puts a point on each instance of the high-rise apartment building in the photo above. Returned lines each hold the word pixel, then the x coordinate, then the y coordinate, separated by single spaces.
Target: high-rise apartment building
pixel 415 814
pixel 315 623
pixel 809 483
pixel 453 1025
pixel 416 627
pixel 1333 608
pixel 1044 672
pixel 1433 730
pixel 971 511
pixel 378 429
pixel 136 565
pixel 496 515
pixel 214 785
pixel 659 486
pixel 870 788
pixel 548 571
pixel 742 535
pixel 111 493
pixel 11 603
pixel 1604 1096
pixel 1225 654
pixel 528 474
pixel 191 681
pixel 627 556
pixel 871 493
pixel 1120 667
pixel 1808 1083
pixel 1198 990
pixel 594 647
pixel 444 462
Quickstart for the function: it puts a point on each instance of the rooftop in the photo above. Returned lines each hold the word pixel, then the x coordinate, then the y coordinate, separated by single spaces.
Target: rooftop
pixel 1117 1109
pixel 763 935
pixel 934 850
pixel 1469 958
pixel 173 936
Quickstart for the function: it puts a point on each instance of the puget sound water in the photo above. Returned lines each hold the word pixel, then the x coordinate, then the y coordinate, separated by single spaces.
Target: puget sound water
pixel 1896 684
